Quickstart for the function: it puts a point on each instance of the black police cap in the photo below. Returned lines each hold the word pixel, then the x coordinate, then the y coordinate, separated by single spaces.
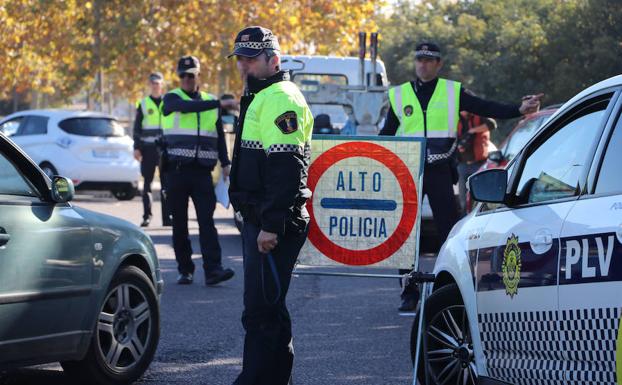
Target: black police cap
pixel 188 64
pixel 427 49
pixel 251 41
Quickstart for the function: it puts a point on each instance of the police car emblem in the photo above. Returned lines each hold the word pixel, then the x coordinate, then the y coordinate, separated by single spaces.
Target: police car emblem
pixel 511 266
pixel 408 110
pixel 287 122
pixel 150 111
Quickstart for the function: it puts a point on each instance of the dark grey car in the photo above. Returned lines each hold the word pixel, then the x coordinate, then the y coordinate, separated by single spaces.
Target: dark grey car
pixel 76 287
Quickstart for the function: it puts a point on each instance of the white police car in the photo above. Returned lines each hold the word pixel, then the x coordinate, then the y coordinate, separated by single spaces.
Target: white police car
pixel 528 287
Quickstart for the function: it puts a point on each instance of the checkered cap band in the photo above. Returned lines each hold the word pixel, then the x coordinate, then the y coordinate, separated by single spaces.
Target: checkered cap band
pixel 427 53
pixel 258 45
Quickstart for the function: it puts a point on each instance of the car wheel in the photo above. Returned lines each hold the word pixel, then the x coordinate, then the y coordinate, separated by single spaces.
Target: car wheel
pixel 447 339
pixel 48 169
pixel 126 334
pixel 125 194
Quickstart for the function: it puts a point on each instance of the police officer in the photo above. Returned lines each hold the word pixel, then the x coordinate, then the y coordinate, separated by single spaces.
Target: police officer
pixel 193 143
pixel 268 186
pixel 429 107
pixel 147 131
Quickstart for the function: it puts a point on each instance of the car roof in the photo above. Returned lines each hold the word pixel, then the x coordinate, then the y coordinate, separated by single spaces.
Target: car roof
pixel 61 114
pixel 611 82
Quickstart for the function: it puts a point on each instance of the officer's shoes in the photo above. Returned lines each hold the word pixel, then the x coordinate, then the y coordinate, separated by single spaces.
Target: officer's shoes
pixel 216 276
pixel 184 279
pixel 146 221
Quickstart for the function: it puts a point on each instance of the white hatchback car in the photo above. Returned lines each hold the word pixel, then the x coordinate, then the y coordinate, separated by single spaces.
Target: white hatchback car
pixel 528 286
pixel 91 148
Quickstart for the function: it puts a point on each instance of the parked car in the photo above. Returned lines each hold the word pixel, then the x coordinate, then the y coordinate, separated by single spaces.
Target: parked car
pixel 527 286
pixel 89 147
pixel 76 287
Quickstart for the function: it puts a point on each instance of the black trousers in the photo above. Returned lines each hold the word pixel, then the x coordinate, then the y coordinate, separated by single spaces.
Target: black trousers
pixel 196 183
pixel 151 160
pixel 438 181
pixel 268 349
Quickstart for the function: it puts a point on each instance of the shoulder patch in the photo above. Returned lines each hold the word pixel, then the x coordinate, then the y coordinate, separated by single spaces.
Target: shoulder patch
pixel 287 122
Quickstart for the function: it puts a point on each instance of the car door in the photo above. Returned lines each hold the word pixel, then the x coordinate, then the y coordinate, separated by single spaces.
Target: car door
pixel 517 289
pixel 590 271
pixel 32 136
pixel 45 264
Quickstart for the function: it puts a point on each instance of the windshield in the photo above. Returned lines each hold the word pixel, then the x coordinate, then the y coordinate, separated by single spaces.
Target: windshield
pixel 92 127
pixel 520 137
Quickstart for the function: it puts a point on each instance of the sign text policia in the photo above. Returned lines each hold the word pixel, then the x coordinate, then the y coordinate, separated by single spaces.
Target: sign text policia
pixel 364 209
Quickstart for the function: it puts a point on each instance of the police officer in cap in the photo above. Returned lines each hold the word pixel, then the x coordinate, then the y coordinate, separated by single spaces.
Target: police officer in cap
pixel 147 131
pixel 429 107
pixel 193 143
pixel 268 186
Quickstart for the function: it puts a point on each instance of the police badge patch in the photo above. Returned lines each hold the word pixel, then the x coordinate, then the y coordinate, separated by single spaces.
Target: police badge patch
pixel 150 111
pixel 408 110
pixel 287 122
pixel 511 266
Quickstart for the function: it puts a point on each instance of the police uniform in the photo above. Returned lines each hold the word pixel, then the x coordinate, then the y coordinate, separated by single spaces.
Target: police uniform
pixel 147 131
pixel 193 142
pixel 431 110
pixel 268 186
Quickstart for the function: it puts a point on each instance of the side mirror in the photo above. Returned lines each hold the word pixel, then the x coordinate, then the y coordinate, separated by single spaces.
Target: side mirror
pixel 62 189
pixel 489 185
pixel 495 156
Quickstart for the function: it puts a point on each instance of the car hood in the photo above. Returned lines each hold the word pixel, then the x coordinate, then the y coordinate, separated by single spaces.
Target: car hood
pixel 108 222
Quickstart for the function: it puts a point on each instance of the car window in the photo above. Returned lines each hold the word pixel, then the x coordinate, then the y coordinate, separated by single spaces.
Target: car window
pixel 517 141
pixel 11 181
pixel 92 127
pixel 11 127
pixel 609 180
pixel 34 125
pixel 553 170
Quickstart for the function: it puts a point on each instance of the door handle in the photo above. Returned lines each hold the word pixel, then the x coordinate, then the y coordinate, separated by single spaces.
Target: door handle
pixel 4 237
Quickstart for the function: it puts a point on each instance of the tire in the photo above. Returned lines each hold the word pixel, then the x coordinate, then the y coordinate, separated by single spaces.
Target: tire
pixel 122 330
pixel 447 339
pixel 124 194
pixel 48 169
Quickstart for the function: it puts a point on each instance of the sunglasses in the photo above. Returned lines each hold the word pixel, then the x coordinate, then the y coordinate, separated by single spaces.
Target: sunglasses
pixel 186 75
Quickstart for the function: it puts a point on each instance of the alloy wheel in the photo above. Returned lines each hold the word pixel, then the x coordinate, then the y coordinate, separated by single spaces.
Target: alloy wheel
pixel 124 327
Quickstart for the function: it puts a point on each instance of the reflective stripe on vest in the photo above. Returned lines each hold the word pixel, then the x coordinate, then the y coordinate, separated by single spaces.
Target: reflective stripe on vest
pixel 178 123
pixel 151 114
pixel 441 115
pixel 260 129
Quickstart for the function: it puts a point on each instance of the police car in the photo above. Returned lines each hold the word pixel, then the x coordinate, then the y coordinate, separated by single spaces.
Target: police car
pixel 528 287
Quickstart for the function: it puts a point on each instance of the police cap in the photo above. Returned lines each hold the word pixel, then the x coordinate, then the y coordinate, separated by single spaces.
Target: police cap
pixel 251 41
pixel 156 77
pixel 188 64
pixel 427 50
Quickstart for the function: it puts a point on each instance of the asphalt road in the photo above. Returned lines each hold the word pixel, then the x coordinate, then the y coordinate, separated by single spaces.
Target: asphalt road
pixel 346 330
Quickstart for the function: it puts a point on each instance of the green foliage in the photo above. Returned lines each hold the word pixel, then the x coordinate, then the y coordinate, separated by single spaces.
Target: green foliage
pixel 505 49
